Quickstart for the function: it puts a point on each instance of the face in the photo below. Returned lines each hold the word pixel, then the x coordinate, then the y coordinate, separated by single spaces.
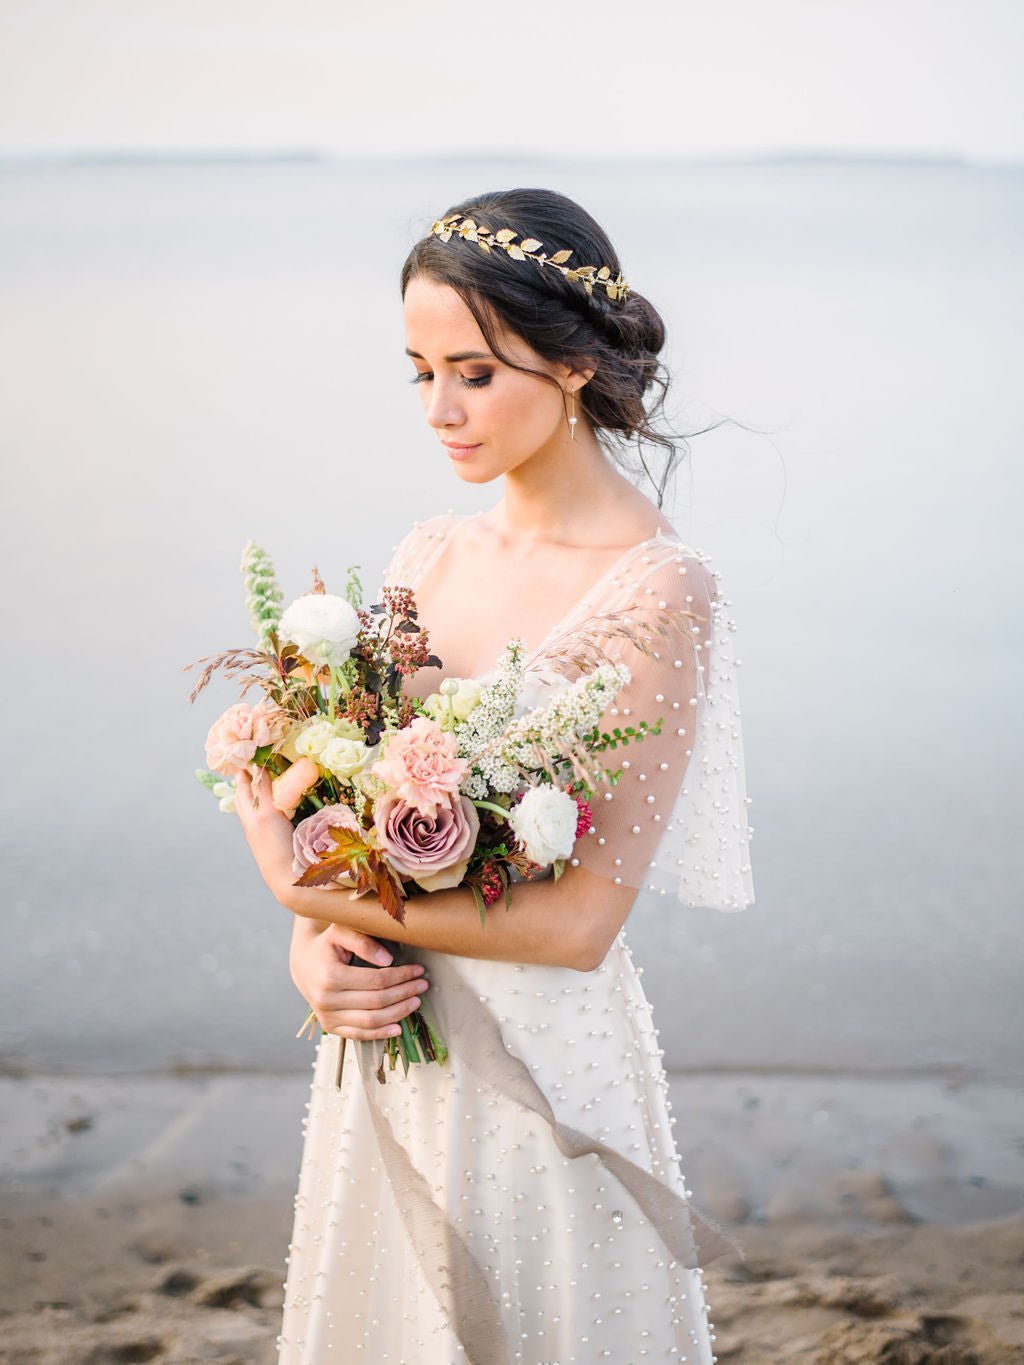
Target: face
pixel 489 417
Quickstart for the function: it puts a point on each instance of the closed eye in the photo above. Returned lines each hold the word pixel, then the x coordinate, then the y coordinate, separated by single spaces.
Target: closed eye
pixel 477 383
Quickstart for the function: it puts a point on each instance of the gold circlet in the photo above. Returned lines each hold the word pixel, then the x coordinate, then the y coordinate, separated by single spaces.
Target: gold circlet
pixel 529 247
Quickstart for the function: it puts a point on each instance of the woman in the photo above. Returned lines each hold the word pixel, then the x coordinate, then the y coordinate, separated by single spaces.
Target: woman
pixel 524 1201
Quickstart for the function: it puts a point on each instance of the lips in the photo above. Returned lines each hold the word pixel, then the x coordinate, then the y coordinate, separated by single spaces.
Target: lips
pixel 455 445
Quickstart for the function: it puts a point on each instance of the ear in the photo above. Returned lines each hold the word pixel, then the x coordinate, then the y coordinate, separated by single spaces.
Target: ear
pixel 575 379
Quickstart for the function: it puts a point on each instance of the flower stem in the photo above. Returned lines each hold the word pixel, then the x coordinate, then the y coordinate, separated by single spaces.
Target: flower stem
pixel 489 805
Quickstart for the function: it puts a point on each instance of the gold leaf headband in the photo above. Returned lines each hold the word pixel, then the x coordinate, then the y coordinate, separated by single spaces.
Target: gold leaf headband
pixel 588 275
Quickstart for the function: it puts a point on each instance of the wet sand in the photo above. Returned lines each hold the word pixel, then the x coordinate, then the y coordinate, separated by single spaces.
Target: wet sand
pixel 148 1218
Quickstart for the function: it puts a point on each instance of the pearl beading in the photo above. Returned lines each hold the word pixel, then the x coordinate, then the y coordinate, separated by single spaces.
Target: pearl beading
pixel 573 1263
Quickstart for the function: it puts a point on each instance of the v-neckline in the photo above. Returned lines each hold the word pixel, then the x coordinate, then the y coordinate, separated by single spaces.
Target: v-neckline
pixel 462 518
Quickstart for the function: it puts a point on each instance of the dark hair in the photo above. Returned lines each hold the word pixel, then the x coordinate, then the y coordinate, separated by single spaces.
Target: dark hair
pixel 618 339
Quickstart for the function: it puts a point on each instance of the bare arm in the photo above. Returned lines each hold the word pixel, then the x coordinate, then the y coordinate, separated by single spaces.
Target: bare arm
pixel 571 922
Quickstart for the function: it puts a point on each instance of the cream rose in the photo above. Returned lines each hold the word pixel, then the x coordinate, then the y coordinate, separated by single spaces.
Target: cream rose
pixel 544 822
pixel 323 626
pixel 309 739
pixel 344 757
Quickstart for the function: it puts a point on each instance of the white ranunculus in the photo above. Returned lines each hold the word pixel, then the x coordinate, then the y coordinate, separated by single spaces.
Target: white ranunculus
pixel 323 625
pixel 544 822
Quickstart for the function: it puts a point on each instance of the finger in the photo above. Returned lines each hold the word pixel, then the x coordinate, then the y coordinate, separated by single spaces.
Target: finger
pixel 373 978
pixel 363 945
pixel 369 1023
pixel 372 1000
pixel 363 1035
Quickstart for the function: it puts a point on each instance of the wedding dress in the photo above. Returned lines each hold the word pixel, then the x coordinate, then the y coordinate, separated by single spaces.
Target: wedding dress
pixel 524 1202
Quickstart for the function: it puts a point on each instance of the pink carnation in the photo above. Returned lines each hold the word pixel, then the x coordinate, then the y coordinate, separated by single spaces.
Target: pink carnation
pixel 311 837
pixel 421 765
pixel 236 735
pixel 432 849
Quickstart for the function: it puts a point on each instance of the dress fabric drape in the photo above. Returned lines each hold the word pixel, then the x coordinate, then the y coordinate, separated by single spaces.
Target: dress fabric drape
pixel 576 1272
pixel 524 1202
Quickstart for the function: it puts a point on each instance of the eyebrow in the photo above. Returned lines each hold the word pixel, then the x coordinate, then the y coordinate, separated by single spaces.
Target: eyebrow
pixel 459 355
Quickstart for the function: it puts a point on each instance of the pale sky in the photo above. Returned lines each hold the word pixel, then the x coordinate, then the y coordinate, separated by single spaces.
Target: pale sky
pixel 684 77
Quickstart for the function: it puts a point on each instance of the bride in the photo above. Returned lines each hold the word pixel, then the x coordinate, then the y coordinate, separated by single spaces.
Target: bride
pixel 524 1202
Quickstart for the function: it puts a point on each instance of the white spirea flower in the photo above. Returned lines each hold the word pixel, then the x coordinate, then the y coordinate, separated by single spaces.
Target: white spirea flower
pixel 323 625
pixel 496 704
pixel 558 727
pixel 544 822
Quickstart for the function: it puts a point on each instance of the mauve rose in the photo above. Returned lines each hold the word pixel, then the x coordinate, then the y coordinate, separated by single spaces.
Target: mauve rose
pixel 311 837
pixel 432 849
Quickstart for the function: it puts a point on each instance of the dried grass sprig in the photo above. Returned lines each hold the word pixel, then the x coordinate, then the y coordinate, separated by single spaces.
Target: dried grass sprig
pixel 235 662
pixel 581 646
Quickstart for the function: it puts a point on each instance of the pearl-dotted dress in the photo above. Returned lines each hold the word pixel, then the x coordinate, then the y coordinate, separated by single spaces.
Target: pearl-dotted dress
pixel 443 1218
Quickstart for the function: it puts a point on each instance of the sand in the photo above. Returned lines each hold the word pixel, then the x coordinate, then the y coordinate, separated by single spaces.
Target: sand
pixel 173 1249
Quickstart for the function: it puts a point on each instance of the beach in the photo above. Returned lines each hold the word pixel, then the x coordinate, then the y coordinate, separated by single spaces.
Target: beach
pixel 200 352
pixel 148 1218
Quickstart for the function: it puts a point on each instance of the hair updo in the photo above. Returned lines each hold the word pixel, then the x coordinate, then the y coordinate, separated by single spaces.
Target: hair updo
pixel 619 340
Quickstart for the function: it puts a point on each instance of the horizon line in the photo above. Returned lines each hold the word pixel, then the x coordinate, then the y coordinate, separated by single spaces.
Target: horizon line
pixel 312 155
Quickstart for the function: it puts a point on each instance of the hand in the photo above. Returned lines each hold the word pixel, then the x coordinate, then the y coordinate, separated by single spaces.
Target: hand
pixel 354 1002
pixel 268 831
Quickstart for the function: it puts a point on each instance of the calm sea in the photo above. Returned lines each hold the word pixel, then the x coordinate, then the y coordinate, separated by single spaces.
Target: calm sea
pixel 195 354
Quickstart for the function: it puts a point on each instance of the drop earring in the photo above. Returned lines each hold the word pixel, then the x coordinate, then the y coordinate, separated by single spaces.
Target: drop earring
pixel 572 419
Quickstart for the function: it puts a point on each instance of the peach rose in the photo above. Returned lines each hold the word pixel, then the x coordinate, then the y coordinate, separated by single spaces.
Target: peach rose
pixel 421 764
pixel 288 789
pixel 236 735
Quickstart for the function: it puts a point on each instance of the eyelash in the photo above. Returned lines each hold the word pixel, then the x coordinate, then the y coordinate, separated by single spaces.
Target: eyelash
pixel 477 383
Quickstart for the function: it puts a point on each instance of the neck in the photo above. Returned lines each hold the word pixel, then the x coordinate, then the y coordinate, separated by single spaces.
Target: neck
pixel 561 493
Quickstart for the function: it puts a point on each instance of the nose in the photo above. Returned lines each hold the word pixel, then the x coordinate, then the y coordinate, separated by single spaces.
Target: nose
pixel 443 406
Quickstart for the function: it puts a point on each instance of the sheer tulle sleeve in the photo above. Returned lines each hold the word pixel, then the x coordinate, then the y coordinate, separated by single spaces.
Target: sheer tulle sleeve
pixel 675 821
pixel 414 553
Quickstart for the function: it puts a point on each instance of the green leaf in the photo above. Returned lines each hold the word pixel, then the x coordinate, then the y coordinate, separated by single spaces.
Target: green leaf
pixel 480 903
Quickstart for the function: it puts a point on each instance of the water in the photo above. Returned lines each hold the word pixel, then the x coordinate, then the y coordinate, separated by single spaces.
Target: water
pixel 193 355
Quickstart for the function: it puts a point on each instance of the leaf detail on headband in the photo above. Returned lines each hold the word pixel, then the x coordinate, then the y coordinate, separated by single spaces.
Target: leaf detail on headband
pixel 588 275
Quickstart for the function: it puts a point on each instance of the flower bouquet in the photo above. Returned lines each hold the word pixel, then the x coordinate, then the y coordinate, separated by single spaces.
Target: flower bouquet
pixel 393 795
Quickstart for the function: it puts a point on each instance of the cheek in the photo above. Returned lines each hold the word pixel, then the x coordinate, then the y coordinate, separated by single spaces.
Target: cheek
pixel 524 413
